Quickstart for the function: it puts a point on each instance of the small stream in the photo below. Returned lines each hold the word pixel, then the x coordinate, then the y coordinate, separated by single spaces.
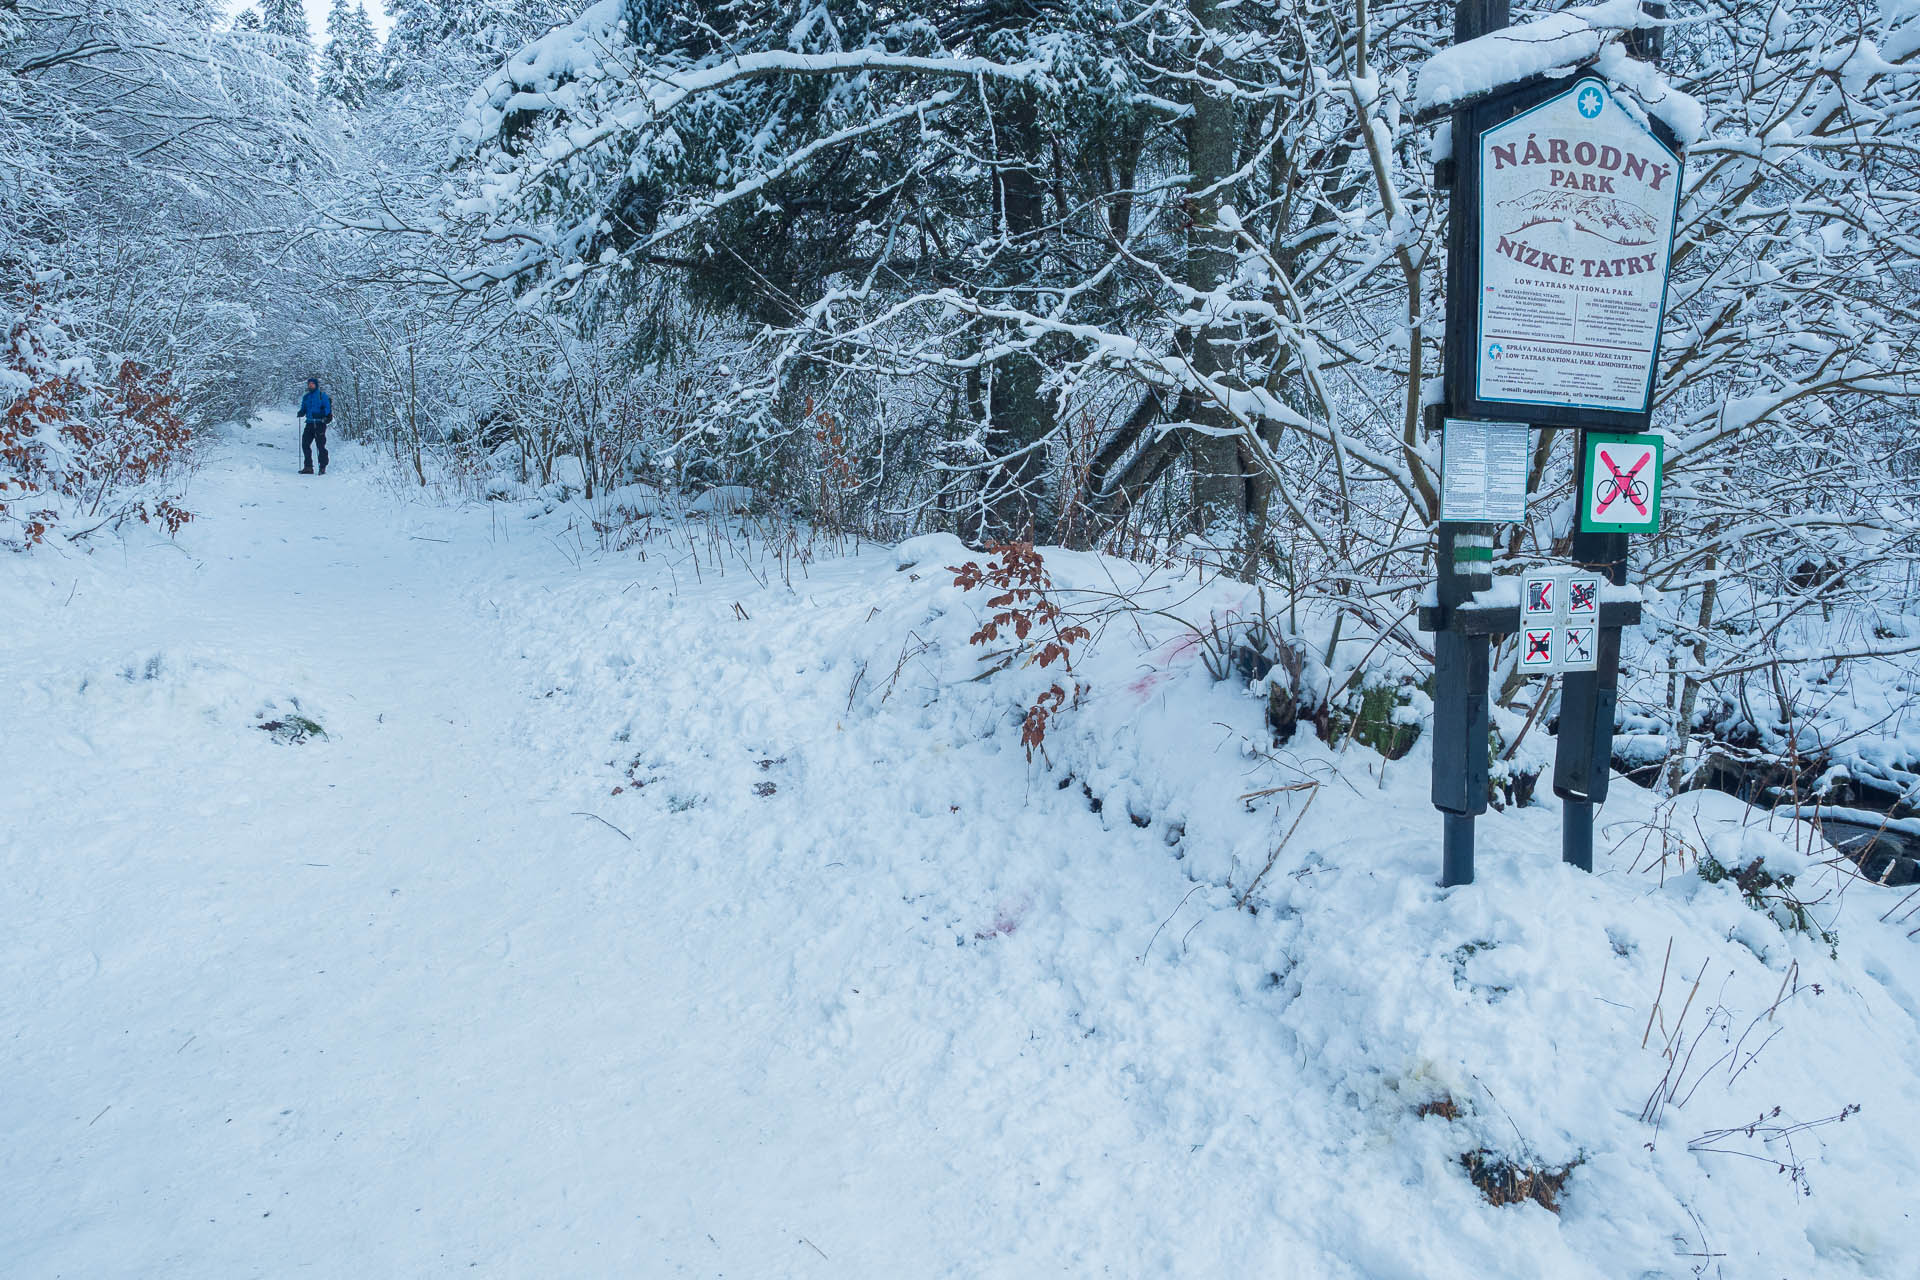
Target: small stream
pixel 1883 854
pixel 1869 822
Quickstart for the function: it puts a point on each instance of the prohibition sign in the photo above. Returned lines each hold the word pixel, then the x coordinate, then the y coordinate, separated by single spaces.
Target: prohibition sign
pixel 1622 483
pixel 1583 597
pixel 1536 649
pixel 1579 651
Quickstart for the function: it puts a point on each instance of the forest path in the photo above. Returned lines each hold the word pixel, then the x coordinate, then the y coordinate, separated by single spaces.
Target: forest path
pixel 279 999
pixel 387 1002
pixel 685 910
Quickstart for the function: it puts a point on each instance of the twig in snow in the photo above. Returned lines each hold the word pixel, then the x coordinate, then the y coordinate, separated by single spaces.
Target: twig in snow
pixel 811 1245
pixel 1166 922
pixel 1903 902
pixel 1275 856
pixel 1648 1034
pixel 581 813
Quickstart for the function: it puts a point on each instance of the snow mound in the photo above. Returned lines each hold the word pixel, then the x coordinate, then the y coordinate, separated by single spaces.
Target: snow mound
pixel 1250 935
pixel 717 907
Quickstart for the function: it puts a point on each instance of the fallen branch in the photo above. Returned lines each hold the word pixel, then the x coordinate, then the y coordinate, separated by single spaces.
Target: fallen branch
pixel 581 813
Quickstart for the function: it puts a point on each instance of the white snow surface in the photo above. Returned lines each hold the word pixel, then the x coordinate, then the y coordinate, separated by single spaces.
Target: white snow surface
pixel 1557 44
pixel 425 997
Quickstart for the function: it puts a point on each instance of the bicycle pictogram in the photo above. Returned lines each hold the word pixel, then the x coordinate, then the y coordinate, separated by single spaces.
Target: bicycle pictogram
pixel 1618 484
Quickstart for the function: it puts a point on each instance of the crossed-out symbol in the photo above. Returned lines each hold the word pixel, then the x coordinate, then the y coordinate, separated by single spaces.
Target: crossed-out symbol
pixel 1540 645
pixel 1541 599
pixel 1579 644
pixel 1621 485
pixel 1580 597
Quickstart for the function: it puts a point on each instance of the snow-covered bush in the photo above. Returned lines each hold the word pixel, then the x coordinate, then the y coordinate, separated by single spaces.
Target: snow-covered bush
pixel 80 449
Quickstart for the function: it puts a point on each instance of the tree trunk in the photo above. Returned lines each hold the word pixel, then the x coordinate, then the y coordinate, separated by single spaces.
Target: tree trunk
pixel 1690 687
pixel 1017 413
pixel 1220 491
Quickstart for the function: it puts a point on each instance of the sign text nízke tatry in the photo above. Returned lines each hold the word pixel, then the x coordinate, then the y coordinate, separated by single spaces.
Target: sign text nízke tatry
pixel 1577 205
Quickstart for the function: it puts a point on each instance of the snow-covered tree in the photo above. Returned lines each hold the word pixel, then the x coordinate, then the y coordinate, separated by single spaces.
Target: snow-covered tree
pixel 286 21
pixel 787 158
pixel 352 58
pixel 141 227
pixel 366 43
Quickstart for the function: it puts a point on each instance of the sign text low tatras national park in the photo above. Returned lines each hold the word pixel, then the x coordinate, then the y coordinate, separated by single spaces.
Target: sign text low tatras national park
pixel 1576 208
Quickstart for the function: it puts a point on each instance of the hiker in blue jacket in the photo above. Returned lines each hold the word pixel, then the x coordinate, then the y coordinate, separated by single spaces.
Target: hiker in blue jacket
pixel 317 409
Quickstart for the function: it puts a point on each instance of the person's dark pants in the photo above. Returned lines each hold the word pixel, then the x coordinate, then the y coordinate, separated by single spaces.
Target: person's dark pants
pixel 315 434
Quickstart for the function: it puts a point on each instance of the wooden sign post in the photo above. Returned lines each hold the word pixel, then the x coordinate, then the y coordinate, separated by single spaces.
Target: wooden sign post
pixel 1565 198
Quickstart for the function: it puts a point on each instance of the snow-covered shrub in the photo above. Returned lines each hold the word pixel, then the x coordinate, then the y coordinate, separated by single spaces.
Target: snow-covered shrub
pixel 1382 714
pixel 1041 633
pixel 1768 890
pixel 80 450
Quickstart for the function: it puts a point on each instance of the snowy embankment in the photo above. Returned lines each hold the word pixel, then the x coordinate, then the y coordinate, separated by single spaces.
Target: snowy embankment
pixel 640 913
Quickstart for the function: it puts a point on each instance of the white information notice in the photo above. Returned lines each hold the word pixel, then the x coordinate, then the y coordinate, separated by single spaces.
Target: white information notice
pixel 1577 206
pixel 1483 470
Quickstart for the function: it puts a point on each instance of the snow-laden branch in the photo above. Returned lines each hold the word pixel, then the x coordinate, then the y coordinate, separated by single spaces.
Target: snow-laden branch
pixel 1554 44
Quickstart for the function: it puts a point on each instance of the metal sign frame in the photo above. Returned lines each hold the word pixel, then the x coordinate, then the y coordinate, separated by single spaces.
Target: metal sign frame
pixel 1464 245
pixel 1591 443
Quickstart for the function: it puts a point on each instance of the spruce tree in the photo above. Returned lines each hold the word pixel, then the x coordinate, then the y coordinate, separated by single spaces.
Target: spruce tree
pixel 366 48
pixel 420 27
pixel 340 77
pixel 460 39
pixel 287 19
pixel 415 25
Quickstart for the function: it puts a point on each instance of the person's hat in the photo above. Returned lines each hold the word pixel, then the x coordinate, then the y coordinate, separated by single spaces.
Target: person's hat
pixel 313 378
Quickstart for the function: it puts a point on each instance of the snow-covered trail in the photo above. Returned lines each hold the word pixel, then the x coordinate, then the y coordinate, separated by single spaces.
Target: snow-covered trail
pixel 639 915
pixel 284 992
pixel 385 1003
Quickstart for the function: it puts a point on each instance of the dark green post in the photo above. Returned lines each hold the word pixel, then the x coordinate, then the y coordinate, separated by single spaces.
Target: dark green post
pixel 1461 661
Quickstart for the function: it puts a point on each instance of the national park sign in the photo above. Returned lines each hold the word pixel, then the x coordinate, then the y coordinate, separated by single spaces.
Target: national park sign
pixel 1576 207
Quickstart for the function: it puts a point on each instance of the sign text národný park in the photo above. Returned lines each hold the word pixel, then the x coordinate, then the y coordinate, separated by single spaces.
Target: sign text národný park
pixel 1576 208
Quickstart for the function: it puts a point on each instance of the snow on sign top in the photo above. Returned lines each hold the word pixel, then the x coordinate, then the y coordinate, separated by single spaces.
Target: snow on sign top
pixel 1551 42
pixel 1577 202
pixel 1556 44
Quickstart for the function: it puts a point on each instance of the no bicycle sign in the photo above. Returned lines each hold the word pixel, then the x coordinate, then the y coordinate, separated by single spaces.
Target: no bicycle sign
pixel 1622 492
